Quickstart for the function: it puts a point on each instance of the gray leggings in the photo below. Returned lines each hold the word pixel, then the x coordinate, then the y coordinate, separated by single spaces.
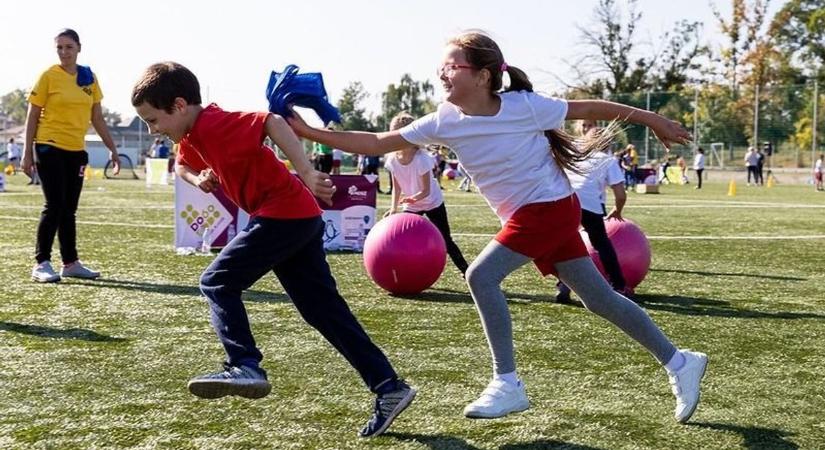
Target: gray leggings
pixel 496 261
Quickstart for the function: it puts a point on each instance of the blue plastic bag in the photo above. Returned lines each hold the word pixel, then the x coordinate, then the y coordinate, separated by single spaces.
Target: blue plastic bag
pixel 306 89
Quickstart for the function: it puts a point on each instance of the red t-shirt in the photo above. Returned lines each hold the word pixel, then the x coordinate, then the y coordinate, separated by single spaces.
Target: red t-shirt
pixel 231 144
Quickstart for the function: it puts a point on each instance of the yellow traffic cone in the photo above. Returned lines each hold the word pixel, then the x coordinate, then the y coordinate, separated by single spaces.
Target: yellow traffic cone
pixel 732 188
pixel 770 181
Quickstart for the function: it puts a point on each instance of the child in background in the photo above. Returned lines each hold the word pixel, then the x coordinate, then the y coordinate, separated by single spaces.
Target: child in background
pixel 220 148
pixel 818 172
pixel 590 179
pixel 415 189
pixel 490 129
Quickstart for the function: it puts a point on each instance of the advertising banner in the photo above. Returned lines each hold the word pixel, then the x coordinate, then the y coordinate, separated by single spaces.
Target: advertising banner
pixel 204 220
pixel 352 213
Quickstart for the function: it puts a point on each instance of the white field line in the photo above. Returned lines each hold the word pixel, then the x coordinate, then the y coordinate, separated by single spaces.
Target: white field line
pixel 476 235
pixel 690 238
pixel 89 222
pixel 83 207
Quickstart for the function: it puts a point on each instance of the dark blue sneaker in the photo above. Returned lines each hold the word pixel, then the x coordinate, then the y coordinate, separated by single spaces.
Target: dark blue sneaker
pixel 245 381
pixel 387 407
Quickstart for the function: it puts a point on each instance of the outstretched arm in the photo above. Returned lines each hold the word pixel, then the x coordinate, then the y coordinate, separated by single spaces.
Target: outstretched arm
pixel 319 183
pixel 359 142
pixel 667 131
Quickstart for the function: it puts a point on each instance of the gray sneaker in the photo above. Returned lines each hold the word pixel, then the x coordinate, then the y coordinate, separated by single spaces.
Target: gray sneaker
pixel 78 270
pixel 44 273
pixel 244 381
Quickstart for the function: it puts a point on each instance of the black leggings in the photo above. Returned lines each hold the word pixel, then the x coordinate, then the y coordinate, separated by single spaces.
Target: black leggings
pixel 438 216
pixel 699 177
pixel 594 226
pixel 61 177
pixel 752 170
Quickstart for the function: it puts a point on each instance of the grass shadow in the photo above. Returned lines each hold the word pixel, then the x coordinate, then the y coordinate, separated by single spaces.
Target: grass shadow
pixel 695 306
pixel 80 334
pixel 545 444
pixel 441 295
pixel 728 274
pixel 754 437
pixel 177 289
pixel 434 441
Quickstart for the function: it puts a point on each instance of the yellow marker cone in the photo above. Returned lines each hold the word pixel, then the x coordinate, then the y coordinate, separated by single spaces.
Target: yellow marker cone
pixel 732 188
pixel 770 181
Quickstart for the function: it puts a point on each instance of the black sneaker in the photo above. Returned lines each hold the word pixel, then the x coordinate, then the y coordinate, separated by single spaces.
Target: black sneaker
pixel 245 381
pixel 563 296
pixel 387 407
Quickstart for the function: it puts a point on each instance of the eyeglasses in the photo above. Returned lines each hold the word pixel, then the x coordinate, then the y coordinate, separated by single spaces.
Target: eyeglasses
pixel 450 69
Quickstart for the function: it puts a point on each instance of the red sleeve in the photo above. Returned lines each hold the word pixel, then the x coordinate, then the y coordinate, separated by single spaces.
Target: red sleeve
pixel 188 156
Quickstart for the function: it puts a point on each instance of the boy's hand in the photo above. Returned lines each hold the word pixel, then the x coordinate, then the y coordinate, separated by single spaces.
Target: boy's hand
pixel 320 184
pixel 668 131
pixel 207 181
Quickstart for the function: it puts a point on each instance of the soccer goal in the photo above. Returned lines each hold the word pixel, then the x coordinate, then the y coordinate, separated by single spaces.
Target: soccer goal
pixel 717 153
pixel 127 169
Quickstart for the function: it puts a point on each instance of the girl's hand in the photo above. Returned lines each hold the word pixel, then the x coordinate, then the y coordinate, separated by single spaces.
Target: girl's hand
pixel 115 162
pixel 390 212
pixel 27 164
pixel 668 131
pixel 296 122
pixel 615 215
pixel 408 200
pixel 320 184
pixel 207 181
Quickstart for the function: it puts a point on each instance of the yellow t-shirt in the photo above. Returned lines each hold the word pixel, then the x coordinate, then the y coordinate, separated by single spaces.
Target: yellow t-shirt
pixel 67 108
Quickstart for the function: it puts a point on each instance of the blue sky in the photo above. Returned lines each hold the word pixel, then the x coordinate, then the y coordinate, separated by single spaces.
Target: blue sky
pixel 232 46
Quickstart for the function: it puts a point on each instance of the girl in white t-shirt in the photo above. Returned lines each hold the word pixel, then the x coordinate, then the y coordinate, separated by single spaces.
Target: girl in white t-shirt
pixel 510 142
pixel 415 190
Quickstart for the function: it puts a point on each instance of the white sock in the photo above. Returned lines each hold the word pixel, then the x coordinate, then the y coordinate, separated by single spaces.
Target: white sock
pixel 676 362
pixel 509 378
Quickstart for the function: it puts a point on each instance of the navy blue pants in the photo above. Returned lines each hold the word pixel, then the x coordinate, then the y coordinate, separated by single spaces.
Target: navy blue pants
pixel 294 251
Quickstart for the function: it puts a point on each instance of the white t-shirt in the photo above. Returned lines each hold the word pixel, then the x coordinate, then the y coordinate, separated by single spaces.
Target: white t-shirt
pixel 699 161
pixel 751 159
pixel 818 166
pixel 409 179
pixel 599 171
pixel 13 150
pixel 507 155
pixel 337 154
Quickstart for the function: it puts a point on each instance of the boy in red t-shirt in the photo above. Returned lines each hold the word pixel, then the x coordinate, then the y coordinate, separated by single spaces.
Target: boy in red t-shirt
pixel 220 148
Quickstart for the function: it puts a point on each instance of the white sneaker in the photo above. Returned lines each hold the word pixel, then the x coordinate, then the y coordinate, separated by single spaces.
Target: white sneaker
pixel 78 270
pixel 498 399
pixel 44 273
pixel 685 384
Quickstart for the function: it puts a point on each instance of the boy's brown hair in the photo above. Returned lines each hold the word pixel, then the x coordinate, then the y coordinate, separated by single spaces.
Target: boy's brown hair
pixel 162 83
pixel 401 120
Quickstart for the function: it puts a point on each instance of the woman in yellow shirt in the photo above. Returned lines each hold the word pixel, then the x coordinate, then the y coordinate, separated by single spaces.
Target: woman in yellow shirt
pixel 64 101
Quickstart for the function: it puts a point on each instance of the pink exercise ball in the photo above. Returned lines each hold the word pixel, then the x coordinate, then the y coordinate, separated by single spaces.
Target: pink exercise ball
pixel 632 249
pixel 404 253
pixel 451 174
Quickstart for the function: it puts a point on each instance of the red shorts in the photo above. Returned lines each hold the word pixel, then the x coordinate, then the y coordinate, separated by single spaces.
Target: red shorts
pixel 336 163
pixel 818 176
pixel 548 232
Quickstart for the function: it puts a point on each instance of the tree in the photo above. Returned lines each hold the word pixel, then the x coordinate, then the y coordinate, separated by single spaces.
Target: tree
pixel 112 118
pixel 15 105
pixel 612 42
pixel 414 97
pixel 352 114
pixel 800 30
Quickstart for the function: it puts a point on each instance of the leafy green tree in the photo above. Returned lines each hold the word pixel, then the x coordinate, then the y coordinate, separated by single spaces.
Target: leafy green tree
pixel 353 115
pixel 112 118
pixel 14 105
pixel 415 97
